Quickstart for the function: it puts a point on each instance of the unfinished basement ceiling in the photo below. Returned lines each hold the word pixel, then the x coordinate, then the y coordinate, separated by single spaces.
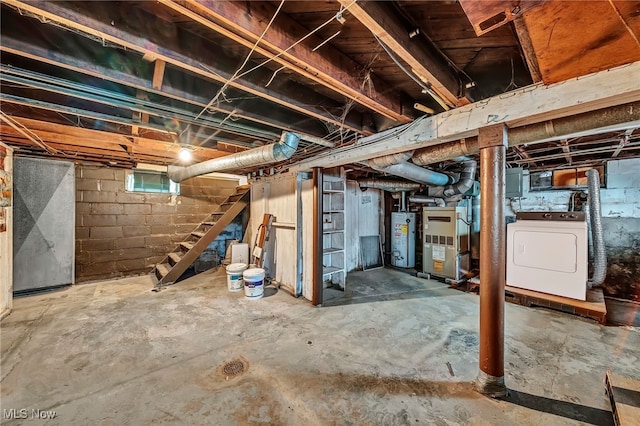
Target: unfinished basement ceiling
pixel 126 82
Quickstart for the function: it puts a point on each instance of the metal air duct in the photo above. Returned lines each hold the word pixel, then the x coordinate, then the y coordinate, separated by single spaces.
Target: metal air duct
pixel 467 177
pixel 439 202
pixel 397 165
pixel 267 154
pixel 388 185
pixel 599 253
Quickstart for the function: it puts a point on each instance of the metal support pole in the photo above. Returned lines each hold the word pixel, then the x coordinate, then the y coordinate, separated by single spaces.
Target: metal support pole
pixel 317 236
pixel 493 142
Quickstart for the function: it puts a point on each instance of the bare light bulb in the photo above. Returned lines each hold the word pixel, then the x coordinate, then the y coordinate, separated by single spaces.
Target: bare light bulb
pixel 184 155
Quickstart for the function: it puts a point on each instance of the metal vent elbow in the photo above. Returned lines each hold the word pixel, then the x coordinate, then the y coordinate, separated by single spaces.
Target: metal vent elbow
pixel 280 151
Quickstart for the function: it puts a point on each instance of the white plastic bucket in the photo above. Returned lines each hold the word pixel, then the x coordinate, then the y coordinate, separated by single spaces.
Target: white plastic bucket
pixel 253 283
pixel 234 276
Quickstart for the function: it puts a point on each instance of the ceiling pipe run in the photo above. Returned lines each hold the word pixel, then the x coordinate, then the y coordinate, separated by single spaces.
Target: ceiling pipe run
pixel 465 183
pixel 267 154
pixel 616 118
pixel 446 151
pixel 389 160
pixel 418 174
pixel 388 185
pixel 421 199
pixel 397 165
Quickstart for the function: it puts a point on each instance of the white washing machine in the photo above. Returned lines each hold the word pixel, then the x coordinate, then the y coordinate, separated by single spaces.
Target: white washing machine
pixel 547 252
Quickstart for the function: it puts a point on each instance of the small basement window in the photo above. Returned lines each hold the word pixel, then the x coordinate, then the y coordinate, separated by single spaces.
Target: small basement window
pixel 564 179
pixel 151 181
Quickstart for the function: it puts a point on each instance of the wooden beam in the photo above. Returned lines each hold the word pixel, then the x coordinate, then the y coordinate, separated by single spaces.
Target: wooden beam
pixel 384 23
pixel 156 83
pixel 524 154
pixel 567 151
pixel 527 49
pixel 10 99
pixel 164 44
pixel 244 23
pixel 85 140
pixel 158 74
pixel 527 105
pixel 277 118
pixel 66 139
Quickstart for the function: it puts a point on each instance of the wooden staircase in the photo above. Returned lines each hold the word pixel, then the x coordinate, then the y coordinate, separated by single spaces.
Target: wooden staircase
pixel 176 262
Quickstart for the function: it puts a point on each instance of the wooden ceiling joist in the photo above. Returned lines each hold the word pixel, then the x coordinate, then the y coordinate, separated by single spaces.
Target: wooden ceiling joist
pixel 88 141
pixel 566 150
pixel 244 23
pixel 384 23
pixel 156 83
pixel 527 49
pixel 163 44
pixel 277 117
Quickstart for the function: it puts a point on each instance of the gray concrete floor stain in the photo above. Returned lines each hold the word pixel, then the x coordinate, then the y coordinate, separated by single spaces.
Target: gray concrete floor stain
pixel 115 353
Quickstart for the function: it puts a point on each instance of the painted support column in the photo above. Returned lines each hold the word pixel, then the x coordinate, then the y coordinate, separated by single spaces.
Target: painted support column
pixel 317 236
pixel 492 142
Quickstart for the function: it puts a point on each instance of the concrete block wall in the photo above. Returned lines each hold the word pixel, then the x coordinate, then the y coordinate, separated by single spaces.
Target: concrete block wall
pixel 621 221
pixel 120 233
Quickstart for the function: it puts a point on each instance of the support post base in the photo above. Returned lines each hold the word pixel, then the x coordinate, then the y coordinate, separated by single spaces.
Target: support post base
pixel 491 386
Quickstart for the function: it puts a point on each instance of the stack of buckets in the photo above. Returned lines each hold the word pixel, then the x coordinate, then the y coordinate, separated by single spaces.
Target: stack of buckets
pixel 252 280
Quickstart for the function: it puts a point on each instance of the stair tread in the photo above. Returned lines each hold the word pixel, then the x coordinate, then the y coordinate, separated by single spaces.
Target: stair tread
pixel 175 257
pixel 163 269
pixel 177 260
pixel 187 244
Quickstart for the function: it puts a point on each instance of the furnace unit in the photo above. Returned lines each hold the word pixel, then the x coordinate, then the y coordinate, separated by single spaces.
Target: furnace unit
pixel 403 240
pixel 445 236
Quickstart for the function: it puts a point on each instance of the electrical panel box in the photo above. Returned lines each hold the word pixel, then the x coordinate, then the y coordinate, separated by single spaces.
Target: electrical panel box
pixel 513 182
pixel 445 242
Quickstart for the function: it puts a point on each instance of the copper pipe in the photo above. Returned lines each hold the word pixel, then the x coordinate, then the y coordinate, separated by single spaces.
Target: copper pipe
pixel 316 298
pixel 492 270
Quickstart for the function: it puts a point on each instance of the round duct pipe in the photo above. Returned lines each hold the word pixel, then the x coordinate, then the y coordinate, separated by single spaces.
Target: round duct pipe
pixel 267 154
pixel 389 185
pixel 424 200
pixel 595 216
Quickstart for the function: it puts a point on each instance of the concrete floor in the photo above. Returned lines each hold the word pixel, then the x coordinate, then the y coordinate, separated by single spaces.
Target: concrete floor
pixel 115 353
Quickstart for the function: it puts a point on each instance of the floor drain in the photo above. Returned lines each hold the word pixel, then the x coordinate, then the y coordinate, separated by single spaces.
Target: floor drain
pixel 233 368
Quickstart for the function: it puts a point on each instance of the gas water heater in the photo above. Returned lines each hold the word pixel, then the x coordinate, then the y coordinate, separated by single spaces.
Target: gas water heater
pixel 403 239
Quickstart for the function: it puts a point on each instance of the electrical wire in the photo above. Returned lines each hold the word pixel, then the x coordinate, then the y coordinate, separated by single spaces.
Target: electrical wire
pixel 246 59
pixel 424 87
pixel 318 28
pixel 238 75
pixel 24 131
